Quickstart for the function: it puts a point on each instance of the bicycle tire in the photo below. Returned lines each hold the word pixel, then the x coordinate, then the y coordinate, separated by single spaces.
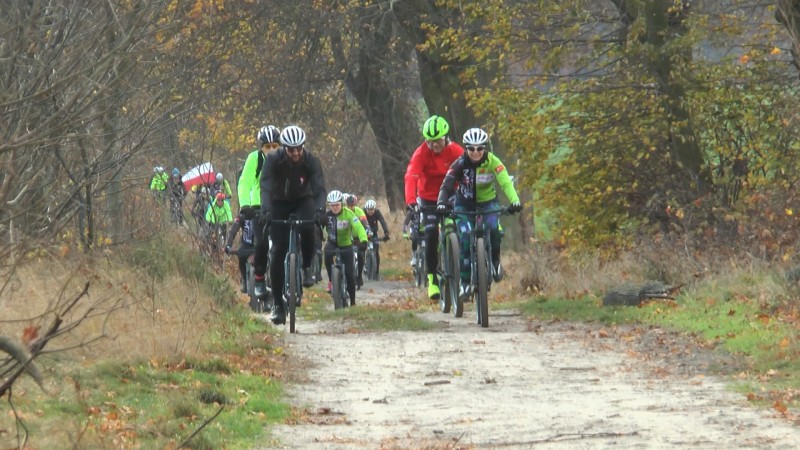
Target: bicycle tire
pixel 255 302
pixel 444 280
pixel 482 294
pixel 372 266
pixel 421 273
pixel 293 292
pixel 336 287
pixel 454 276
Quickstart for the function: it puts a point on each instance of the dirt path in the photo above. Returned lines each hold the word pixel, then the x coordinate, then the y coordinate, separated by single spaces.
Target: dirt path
pixel 515 385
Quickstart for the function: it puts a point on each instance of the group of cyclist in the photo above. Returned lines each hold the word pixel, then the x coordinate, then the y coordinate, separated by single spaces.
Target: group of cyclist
pixel 282 178
pixel 442 177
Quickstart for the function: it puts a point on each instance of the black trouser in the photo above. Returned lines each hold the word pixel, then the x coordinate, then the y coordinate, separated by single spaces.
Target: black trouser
pixel 243 259
pixel 347 258
pixel 305 209
pixel 431 222
pixel 376 248
pixel 362 256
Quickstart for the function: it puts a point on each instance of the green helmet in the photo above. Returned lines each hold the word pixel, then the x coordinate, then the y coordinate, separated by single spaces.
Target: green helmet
pixel 435 128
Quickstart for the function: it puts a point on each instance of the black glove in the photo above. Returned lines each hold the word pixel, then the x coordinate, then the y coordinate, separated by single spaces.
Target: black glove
pixel 247 212
pixel 227 249
pixel 320 217
pixel 362 246
pixel 385 237
pixel 515 207
pixel 411 207
pixel 442 208
pixel 265 217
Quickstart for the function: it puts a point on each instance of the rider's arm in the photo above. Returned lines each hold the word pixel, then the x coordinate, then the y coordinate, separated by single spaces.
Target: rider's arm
pixel 210 216
pixel 247 179
pixel 413 175
pixel 501 175
pixel 383 222
pixel 449 183
pixel 237 223
pixel 227 188
pixel 267 179
pixel 317 182
pixel 358 229
pixel 228 214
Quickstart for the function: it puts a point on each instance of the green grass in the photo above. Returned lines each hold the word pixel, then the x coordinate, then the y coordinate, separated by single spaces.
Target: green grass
pixel 153 404
pixel 740 315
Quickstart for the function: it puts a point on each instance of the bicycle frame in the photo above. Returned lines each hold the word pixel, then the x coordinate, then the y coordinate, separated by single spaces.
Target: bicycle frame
pixel 292 266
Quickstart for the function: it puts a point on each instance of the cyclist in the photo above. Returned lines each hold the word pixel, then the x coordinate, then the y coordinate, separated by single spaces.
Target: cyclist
pixel 221 185
pixel 342 225
pixel 249 191
pixel 200 205
pixel 352 205
pixel 424 176
pixel 475 173
pixel 158 184
pixel 177 191
pixel 218 216
pixel 374 216
pixel 292 182
pixel 247 242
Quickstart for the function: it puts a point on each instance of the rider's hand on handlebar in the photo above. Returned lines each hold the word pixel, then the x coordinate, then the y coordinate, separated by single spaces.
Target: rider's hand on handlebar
pixel 227 249
pixel 515 207
pixel 265 217
pixel 411 207
pixel 442 208
pixel 247 212
pixel 385 237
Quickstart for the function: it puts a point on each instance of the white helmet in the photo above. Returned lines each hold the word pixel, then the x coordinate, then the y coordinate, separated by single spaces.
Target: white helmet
pixel 219 176
pixel 293 136
pixel 335 196
pixel 475 136
pixel 370 204
pixel 268 134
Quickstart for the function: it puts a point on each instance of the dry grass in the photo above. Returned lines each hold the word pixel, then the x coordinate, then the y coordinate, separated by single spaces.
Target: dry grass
pixel 128 315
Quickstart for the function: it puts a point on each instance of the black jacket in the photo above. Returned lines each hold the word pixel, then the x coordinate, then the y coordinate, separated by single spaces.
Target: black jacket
pixel 284 181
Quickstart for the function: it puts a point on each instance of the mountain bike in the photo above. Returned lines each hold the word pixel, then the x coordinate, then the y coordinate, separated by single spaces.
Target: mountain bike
pixel 293 267
pixel 263 304
pixel 371 258
pixel 480 246
pixel 339 282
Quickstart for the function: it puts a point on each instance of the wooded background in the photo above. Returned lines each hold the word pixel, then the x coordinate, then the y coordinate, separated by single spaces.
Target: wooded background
pixel 670 119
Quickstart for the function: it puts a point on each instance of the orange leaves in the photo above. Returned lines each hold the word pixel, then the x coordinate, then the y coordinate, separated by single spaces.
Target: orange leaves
pixel 29 334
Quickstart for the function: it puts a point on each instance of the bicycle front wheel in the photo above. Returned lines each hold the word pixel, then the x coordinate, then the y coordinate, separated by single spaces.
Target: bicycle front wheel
pixel 371 266
pixel 293 290
pixel 453 274
pixel 482 296
pixel 336 287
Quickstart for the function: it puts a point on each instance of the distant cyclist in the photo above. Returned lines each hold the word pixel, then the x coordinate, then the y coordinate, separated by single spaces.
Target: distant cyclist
pixel 352 204
pixel 177 192
pixel 292 182
pixel 472 178
pixel 424 175
pixel 158 184
pixel 221 185
pixel 247 243
pixel 342 227
pixel 249 191
pixel 374 216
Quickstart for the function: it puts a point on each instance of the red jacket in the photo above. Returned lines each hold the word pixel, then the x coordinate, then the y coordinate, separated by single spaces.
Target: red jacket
pixel 426 171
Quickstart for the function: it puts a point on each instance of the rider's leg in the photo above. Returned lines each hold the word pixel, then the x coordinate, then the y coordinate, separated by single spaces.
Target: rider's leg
pixel 376 248
pixel 330 251
pixel 362 256
pixel 431 250
pixel 306 211
pixel 280 245
pixel 349 273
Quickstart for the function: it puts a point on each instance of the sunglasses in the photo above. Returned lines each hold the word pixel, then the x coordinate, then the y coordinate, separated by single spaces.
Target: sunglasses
pixel 271 145
pixel 293 149
pixel 440 141
pixel 476 148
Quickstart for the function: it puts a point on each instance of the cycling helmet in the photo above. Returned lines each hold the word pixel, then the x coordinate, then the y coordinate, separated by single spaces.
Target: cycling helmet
pixel 475 136
pixel 435 128
pixel 350 199
pixel 155 169
pixel 335 196
pixel 370 204
pixel 219 176
pixel 268 134
pixel 220 196
pixel 293 136
pixel 176 172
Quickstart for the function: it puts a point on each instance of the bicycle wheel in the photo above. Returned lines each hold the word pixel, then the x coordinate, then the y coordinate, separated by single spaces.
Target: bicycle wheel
pixel 255 303
pixel 421 273
pixel 482 296
pixel 444 280
pixel 336 286
pixel 453 274
pixel 293 292
pixel 371 266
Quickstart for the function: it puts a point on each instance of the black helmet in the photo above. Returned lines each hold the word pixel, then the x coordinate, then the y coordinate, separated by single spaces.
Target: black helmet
pixel 268 134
